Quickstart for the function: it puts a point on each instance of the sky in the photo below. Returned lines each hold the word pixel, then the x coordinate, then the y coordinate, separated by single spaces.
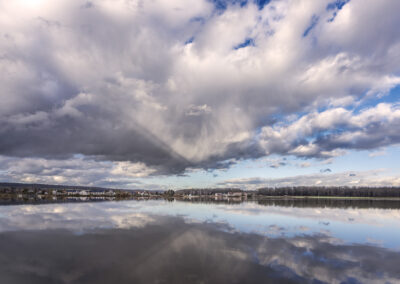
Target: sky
pixel 159 94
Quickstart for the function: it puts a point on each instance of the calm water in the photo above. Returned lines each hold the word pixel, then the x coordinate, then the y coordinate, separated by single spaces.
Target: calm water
pixel 161 241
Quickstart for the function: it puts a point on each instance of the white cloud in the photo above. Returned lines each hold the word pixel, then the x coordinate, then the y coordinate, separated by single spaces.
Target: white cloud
pixel 129 169
pixel 161 84
pixel 69 171
pixel 377 153
pixel 327 133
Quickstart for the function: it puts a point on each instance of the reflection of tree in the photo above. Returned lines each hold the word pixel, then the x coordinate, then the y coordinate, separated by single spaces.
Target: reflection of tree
pixel 307 202
pixel 342 191
pixel 334 203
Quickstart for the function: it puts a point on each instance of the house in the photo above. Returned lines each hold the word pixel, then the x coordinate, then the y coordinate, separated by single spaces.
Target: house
pixel 234 194
pixel 110 193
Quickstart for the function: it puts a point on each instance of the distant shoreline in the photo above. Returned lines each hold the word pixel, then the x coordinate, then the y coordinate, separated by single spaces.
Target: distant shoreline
pixel 46 191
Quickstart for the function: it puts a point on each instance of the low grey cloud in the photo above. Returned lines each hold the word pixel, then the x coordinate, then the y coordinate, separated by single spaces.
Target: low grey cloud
pixel 96 173
pixel 145 83
pixel 325 178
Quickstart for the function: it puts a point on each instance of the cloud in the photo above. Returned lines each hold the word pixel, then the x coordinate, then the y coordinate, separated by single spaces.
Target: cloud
pixel 160 84
pixel 377 154
pixel 96 173
pixel 328 133
pixel 198 110
pixel 305 165
pixel 325 178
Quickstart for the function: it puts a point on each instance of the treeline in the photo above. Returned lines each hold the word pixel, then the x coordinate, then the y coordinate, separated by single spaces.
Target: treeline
pixel 338 191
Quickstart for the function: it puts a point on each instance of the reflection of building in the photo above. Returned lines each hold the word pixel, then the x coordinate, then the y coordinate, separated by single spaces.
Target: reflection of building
pixel 219 196
pixel 234 194
pixel 97 193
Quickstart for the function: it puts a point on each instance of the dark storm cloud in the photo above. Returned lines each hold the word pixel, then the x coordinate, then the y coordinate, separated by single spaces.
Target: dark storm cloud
pixel 120 82
pixel 94 135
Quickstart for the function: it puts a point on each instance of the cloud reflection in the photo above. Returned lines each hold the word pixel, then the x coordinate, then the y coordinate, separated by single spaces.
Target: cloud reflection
pixel 351 225
pixel 75 217
pixel 173 251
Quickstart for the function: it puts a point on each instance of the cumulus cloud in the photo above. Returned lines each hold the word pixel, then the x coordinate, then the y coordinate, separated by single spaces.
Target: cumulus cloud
pixel 327 133
pixel 96 173
pixel 171 85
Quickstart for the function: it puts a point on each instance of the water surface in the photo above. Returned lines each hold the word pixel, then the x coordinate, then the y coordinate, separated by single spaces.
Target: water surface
pixel 159 241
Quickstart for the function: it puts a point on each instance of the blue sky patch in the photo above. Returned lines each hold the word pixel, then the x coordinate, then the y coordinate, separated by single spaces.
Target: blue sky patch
pixel 338 4
pixel 262 3
pixel 223 4
pixel 314 22
pixel 392 97
pixel 190 40
pixel 247 42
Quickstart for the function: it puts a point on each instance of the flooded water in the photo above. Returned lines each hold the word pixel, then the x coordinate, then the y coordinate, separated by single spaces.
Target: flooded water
pixel 159 241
